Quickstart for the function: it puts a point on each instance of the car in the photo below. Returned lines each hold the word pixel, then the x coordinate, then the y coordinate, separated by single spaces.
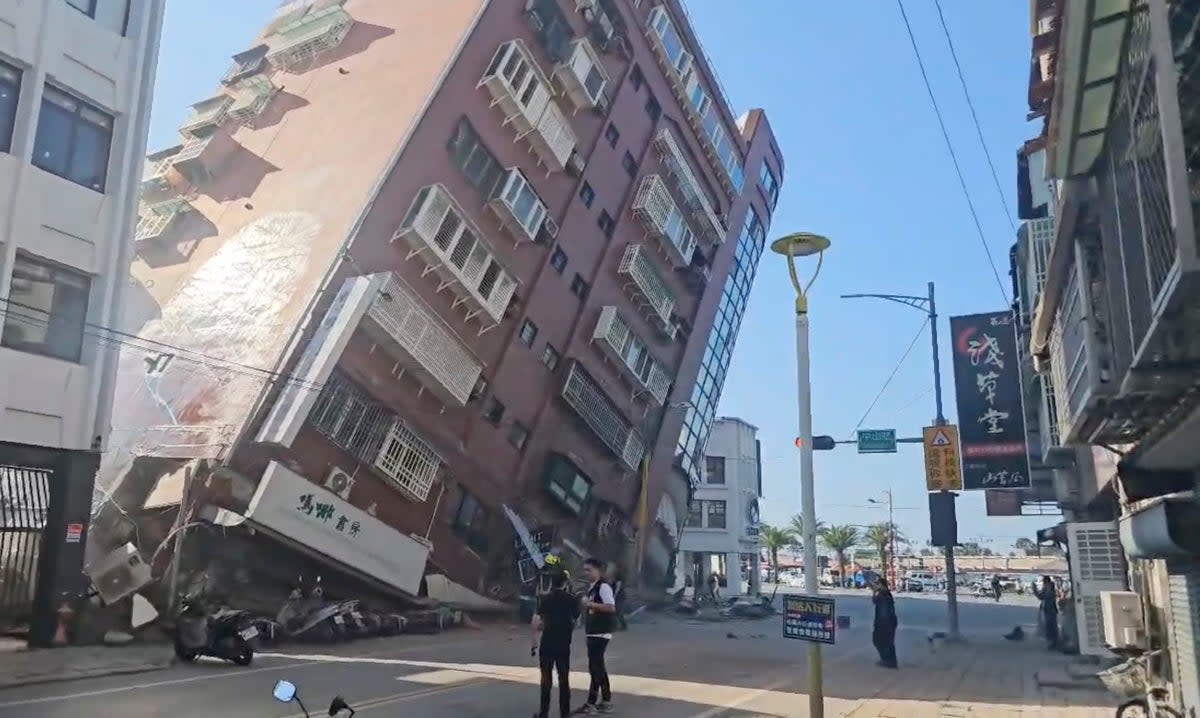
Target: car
pixel 913 585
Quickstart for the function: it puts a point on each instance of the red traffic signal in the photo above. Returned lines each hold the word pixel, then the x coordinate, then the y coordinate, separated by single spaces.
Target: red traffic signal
pixel 819 443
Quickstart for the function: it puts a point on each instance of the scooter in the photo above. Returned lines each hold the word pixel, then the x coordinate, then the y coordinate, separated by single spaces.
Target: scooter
pixel 306 616
pixel 285 692
pixel 226 634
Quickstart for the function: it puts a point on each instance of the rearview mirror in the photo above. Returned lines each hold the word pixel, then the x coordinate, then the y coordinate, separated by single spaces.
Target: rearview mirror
pixel 285 691
pixel 338 705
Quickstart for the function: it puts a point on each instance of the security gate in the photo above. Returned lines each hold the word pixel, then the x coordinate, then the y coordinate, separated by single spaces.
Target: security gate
pixel 1183 587
pixel 24 506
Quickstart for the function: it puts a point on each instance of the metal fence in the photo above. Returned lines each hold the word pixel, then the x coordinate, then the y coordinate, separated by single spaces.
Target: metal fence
pixel 24 503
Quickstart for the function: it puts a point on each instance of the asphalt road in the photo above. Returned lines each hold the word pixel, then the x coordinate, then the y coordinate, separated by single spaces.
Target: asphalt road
pixel 664 666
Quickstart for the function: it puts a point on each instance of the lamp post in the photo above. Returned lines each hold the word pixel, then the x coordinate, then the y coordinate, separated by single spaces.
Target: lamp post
pixel 927 305
pixel 803 244
pixel 891 568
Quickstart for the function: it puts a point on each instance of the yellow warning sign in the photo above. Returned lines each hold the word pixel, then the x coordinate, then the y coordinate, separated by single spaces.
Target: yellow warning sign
pixel 943 468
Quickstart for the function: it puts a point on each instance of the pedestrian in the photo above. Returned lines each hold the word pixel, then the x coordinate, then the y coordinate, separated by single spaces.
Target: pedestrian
pixel 557 612
pixel 1048 597
pixel 714 586
pixel 997 587
pixel 883 634
pixel 600 606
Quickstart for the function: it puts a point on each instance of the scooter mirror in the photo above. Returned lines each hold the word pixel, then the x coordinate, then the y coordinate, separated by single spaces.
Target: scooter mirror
pixel 338 705
pixel 285 691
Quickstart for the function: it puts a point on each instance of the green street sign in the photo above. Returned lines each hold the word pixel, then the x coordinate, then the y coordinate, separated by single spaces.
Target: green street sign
pixel 877 441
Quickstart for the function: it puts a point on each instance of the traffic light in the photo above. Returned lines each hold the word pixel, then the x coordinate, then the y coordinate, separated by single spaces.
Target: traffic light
pixel 819 443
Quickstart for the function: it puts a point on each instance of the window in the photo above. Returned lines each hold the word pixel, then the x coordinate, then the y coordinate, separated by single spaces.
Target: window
pixel 518 434
pixel 46 310
pixel 112 14
pixel 769 183
pixel 73 140
pixel 563 480
pixel 714 469
pixel 527 208
pixel 587 195
pixel 629 162
pixel 10 92
pixel 715 512
pixel 470 522
pixel 550 357
pixel 558 260
pixel 480 388
pixel 695 517
pixel 495 412
pixel 87 7
pixel 478 165
pixel 528 333
pixel 653 109
pixel 637 78
pixel 606 223
pixel 579 286
pixel 612 134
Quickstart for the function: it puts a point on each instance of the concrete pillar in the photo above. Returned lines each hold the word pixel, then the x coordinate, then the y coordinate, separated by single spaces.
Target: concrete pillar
pixel 755 574
pixel 733 573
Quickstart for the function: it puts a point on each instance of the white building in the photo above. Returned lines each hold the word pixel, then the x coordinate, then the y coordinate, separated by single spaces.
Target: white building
pixel 76 84
pixel 721 533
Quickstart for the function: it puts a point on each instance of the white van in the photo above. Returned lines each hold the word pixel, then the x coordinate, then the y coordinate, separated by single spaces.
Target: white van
pixel 929 580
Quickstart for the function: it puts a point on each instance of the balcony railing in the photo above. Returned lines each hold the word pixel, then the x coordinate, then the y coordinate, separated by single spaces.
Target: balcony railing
pixel 156 219
pixel 662 219
pixel 413 332
pixel 155 180
pixel 245 64
pixel 623 345
pixel 524 93
pixel 297 42
pixel 438 230
pixel 583 75
pixel 251 97
pixel 519 206
pixel 648 286
pixel 696 200
pixel 581 392
pixel 206 116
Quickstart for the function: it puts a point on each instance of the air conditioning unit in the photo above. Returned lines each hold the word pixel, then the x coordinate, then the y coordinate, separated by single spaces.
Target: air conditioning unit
pixel 339 482
pixel 1122 616
pixel 120 573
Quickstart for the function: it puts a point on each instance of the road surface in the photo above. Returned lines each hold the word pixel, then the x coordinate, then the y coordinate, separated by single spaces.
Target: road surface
pixel 665 667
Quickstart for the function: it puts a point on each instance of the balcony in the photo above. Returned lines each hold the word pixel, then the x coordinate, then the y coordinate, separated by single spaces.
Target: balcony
pixel 582 75
pixel 523 92
pixel 196 160
pixel 411 331
pixel 551 27
pixel 155 220
pixel 303 39
pixel 648 288
pixel 663 220
pixel 438 231
pixel 156 183
pixel 695 200
pixel 519 207
pixel 624 346
pixel 251 97
pixel 581 392
pixel 206 116
pixel 246 64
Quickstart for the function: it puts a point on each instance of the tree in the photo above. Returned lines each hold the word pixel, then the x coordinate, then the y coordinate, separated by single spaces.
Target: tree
pixel 839 539
pixel 880 536
pixel 773 539
pixel 797 528
pixel 1026 546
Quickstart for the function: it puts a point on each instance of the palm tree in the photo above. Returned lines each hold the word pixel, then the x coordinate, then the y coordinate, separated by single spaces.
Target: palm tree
pixel 881 536
pixel 839 539
pixel 1026 546
pixel 797 528
pixel 773 539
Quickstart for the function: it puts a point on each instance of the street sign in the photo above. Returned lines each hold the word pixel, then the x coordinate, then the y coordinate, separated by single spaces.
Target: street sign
pixel 943 469
pixel 876 441
pixel 809 618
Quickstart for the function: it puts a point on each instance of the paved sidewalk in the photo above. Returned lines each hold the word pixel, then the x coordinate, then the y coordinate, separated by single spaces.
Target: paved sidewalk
pixel 23 668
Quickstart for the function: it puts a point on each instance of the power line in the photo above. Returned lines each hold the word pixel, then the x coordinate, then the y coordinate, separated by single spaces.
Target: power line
pixel 953 155
pixel 975 117
pixel 888 381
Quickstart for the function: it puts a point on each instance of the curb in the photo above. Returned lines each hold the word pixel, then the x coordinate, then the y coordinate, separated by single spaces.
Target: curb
pixel 1070 684
pixel 9 681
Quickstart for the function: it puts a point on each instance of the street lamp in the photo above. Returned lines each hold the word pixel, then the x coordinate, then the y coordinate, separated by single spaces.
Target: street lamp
pixel 803 244
pixel 891 568
pixel 928 306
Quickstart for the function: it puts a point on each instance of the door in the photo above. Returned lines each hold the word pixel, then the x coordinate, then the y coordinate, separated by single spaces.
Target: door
pixel 1097 564
pixel 24 504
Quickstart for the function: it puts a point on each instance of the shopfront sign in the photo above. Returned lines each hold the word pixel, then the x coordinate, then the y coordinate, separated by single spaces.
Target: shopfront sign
pixel 297 510
pixel 809 618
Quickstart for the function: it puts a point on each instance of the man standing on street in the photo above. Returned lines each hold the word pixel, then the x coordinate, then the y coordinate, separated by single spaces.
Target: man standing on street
pixel 883 634
pixel 600 605
pixel 557 612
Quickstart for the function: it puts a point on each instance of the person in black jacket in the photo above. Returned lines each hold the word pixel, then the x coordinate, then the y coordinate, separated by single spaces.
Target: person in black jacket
pixel 557 612
pixel 883 634
pixel 600 605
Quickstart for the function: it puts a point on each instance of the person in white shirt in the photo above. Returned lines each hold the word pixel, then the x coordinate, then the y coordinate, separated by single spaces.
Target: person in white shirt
pixel 600 614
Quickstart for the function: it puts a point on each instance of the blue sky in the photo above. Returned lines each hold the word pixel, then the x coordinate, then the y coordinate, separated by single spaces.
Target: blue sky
pixel 867 166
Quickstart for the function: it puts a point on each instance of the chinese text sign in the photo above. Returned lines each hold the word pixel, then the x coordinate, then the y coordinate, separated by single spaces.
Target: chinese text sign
pixel 809 618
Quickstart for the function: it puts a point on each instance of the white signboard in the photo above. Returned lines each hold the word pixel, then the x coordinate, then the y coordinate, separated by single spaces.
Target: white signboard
pixel 288 504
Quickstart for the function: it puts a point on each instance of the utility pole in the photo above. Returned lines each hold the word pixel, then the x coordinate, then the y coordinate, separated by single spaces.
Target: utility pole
pixel 928 306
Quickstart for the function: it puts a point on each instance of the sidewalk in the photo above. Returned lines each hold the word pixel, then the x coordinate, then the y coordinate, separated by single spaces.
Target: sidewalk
pixel 23 668
pixel 983 678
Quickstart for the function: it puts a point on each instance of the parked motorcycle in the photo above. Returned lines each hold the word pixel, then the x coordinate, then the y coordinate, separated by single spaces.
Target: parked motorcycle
pixel 285 692
pixel 227 634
